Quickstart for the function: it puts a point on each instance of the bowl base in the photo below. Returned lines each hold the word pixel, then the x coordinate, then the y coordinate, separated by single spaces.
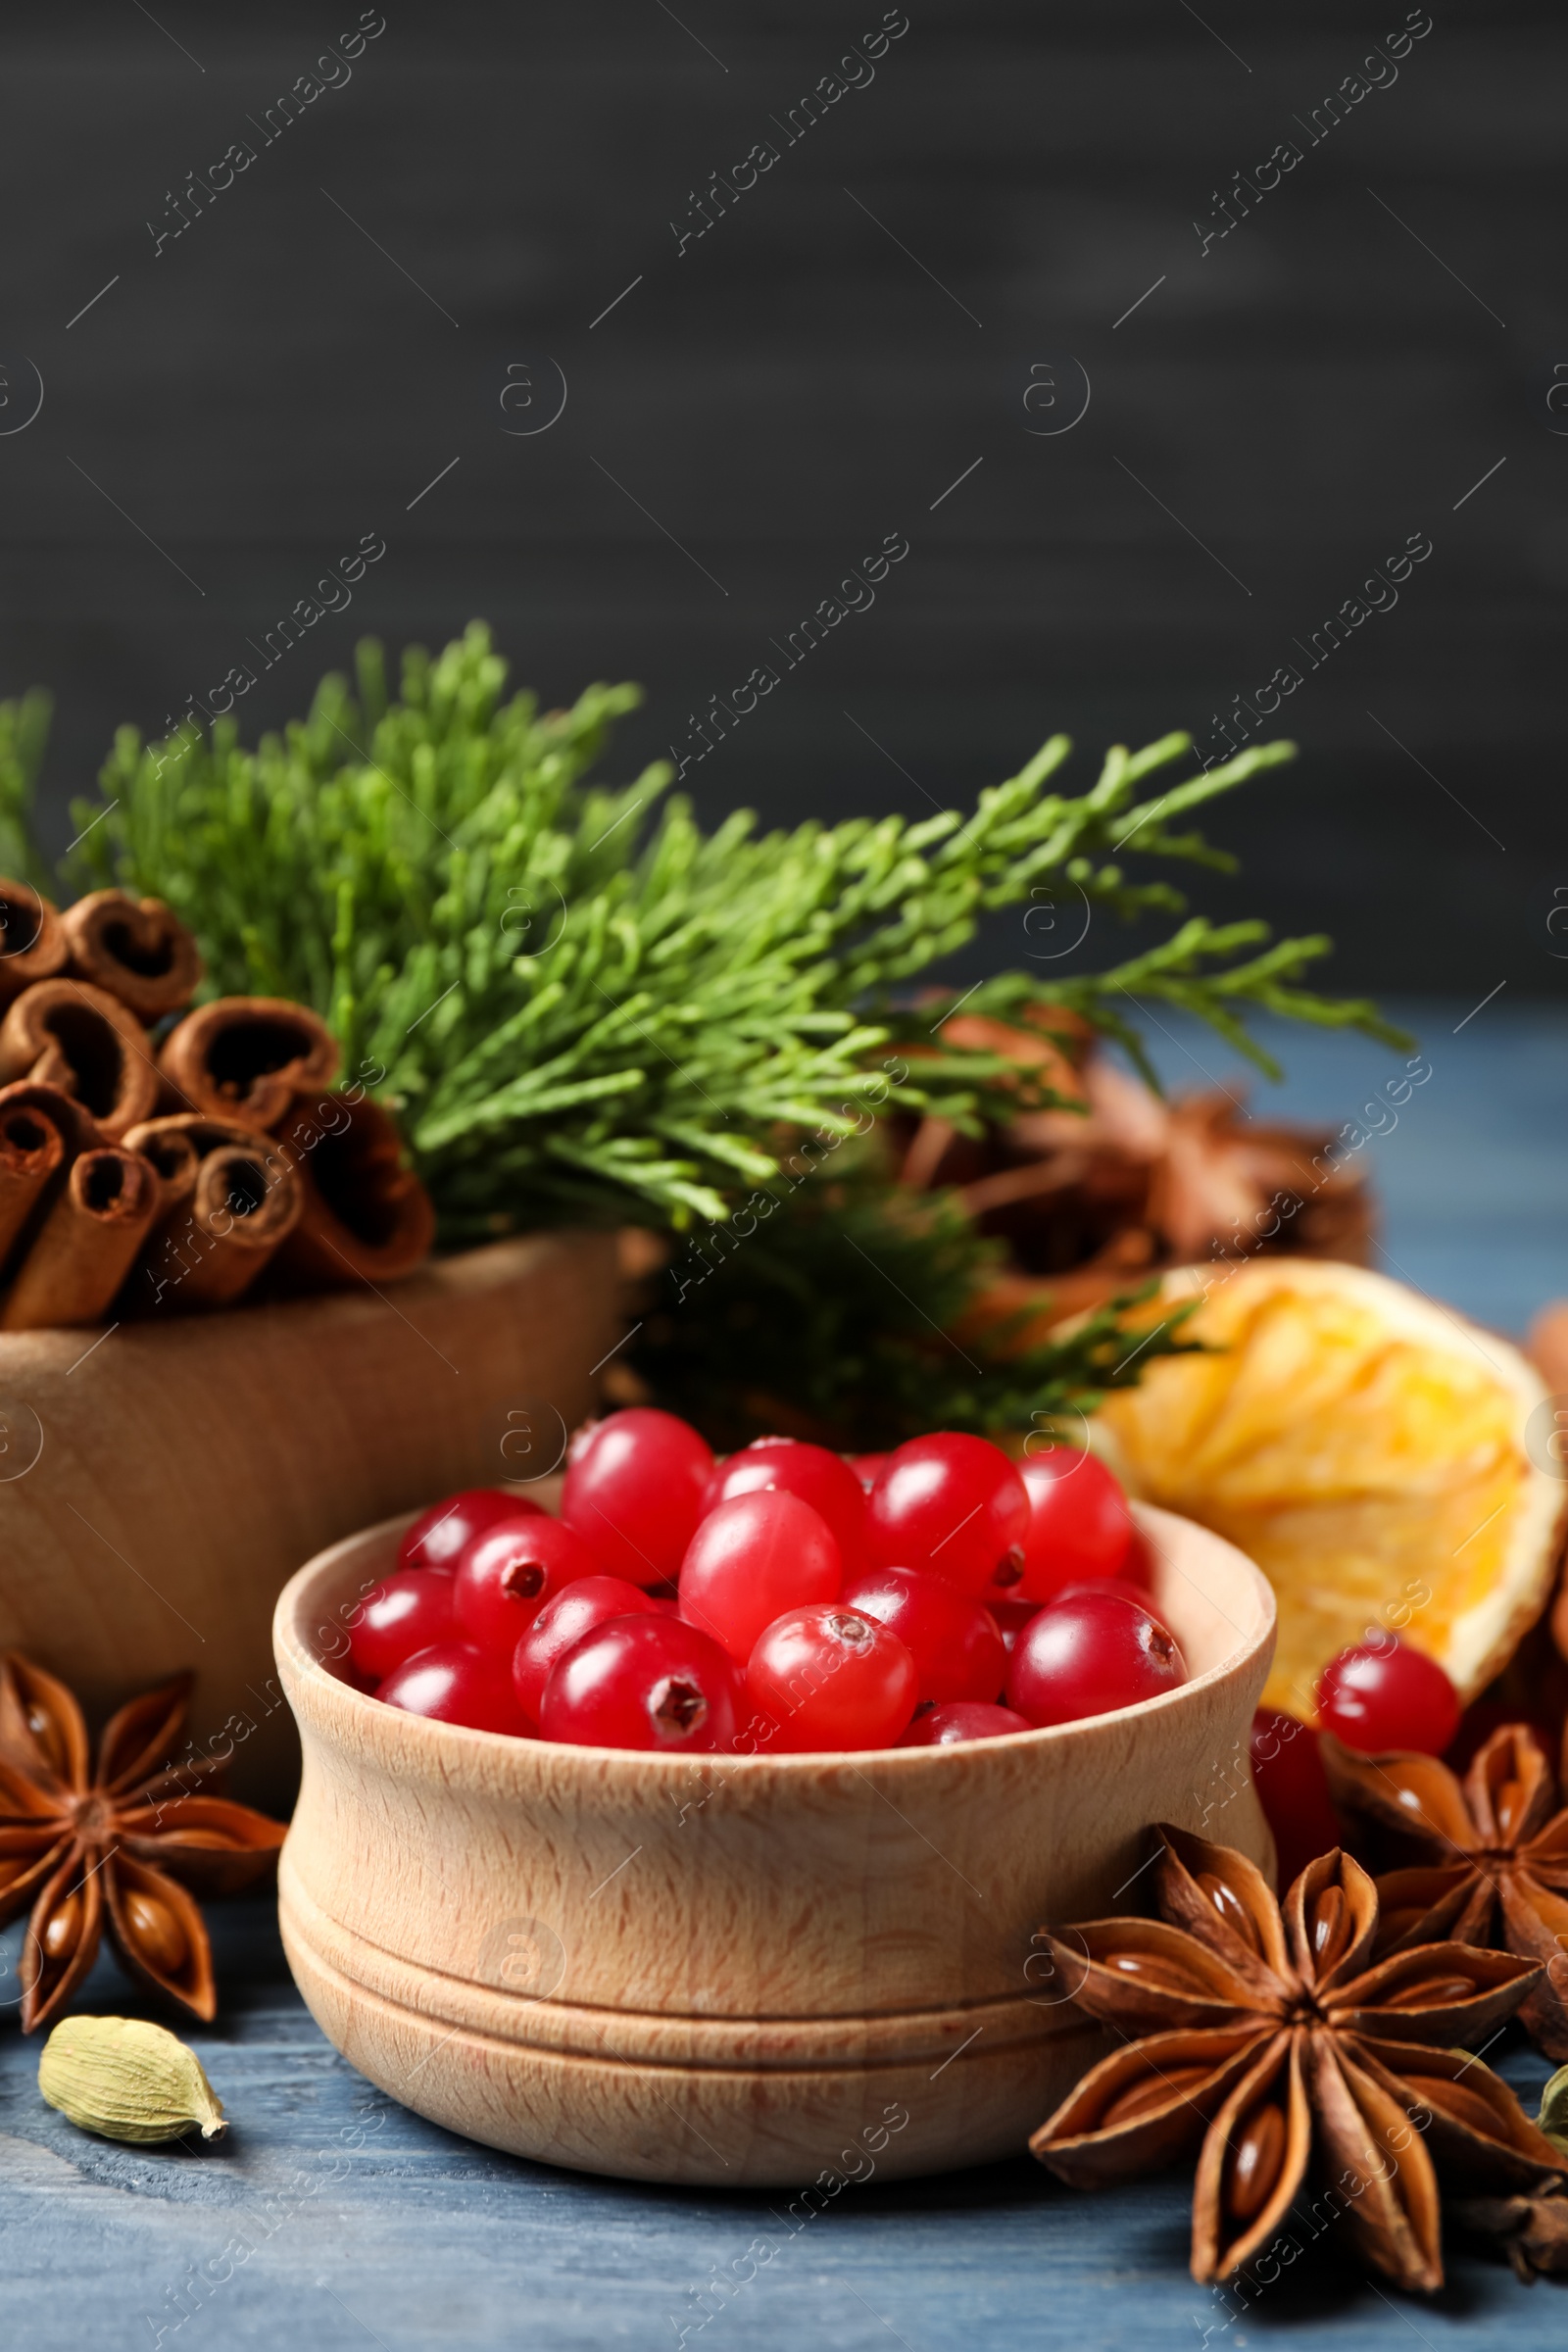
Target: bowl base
pixel 478 2062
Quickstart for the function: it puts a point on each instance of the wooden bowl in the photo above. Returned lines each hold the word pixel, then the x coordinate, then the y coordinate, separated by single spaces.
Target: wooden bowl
pixel 738 1971
pixel 158 1483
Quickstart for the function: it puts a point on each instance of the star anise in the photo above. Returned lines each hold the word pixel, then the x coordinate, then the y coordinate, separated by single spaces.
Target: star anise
pixel 1496 1857
pixel 1265 2035
pixel 1089 1200
pixel 118 1844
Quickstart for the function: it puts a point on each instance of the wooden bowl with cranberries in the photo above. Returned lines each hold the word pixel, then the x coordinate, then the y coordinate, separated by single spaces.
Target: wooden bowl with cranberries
pixel 700 1828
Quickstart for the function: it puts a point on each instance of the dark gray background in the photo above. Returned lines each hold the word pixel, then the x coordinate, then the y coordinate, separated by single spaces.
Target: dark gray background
pixel 794 386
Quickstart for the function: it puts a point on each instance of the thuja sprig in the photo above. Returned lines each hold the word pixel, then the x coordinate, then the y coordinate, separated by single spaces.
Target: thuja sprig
pixel 584 1005
pixel 834 1316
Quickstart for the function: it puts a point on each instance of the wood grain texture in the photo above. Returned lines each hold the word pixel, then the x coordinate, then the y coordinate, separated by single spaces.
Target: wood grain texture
pixel 160 1484
pixel 558 1950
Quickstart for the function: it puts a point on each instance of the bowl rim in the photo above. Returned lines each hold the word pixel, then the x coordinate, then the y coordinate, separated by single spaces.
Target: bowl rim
pixel 475 1266
pixel 293 1653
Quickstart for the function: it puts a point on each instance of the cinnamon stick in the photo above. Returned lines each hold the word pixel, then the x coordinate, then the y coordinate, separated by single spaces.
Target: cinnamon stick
pixel 135 949
pixel 364 1214
pixel 245 1059
pixel 32 1151
pixel 83 1251
pixel 67 1034
pixel 78 1129
pixel 32 939
pixel 211 1246
pixel 171 1156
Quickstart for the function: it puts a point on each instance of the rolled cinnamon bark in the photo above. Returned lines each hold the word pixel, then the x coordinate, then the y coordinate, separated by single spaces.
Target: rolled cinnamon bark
pixel 80 1039
pixel 77 1124
pixel 135 949
pixel 32 939
pixel 83 1251
pixel 32 1151
pixel 364 1214
pixel 245 1059
pixel 210 1248
pixel 172 1156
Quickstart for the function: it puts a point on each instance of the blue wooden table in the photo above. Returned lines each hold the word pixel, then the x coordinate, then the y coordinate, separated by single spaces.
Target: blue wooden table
pixel 331 2217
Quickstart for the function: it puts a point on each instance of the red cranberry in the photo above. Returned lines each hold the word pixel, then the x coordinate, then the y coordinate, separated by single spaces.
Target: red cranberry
pixel 830 1678
pixel 507 1575
pixel 1011 1616
pixel 581 1609
pixel 1384 1695
pixel 952 1639
pixel 453 1682
pixel 644 1681
pixel 1137 1567
pixel 1293 1791
pixel 634 1491
pixel 1090 1655
pixel 441 1533
pixel 960 1720
pixel 1121 1587
pixel 823 1480
pixel 407 1611
pixel 1079 1523
pixel 751 1559
pixel 952 1504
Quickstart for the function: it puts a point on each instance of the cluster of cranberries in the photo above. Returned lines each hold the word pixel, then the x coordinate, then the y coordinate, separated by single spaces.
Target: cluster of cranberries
pixel 786 1600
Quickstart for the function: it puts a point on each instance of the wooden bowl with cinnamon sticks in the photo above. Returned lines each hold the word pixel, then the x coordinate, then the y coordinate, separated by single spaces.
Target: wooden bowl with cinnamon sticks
pixel 728 1970
pixel 164 1461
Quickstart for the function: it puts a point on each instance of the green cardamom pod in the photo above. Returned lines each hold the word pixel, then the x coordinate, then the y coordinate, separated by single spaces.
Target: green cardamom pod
pixel 128 2081
pixel 1553 2115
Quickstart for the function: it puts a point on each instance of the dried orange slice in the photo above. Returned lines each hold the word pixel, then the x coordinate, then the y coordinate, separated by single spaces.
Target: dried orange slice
pixel 1386 1463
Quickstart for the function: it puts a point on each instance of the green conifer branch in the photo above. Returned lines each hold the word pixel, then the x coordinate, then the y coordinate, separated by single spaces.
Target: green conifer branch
pixel 580 1003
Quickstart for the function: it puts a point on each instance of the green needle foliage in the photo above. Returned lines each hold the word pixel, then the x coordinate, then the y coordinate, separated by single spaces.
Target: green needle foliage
pixel 579 1004
pixel 23 733
pixel 830 1314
